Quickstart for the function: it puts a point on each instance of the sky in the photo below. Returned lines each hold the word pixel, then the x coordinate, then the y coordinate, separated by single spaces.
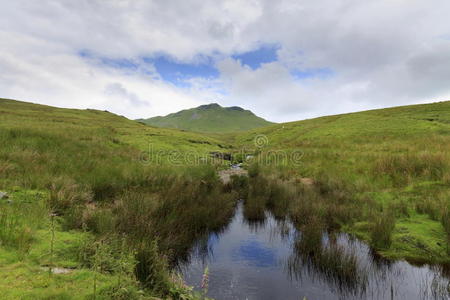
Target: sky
pixel 285 60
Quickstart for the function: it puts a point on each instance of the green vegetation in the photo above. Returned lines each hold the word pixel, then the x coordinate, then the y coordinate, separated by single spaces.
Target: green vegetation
pixel 83 200
pixel 210 118
pixel 382 175
pixel 102 207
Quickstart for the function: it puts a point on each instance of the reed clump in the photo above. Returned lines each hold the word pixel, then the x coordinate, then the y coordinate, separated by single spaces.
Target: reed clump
pixel 381 229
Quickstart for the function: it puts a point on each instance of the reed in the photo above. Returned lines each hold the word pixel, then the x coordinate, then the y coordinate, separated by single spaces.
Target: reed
pixel 381 230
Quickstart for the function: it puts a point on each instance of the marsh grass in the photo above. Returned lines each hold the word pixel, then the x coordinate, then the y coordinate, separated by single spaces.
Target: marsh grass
pixel 90 163
pixel 261 193
pixel 397 159
pixel 19 221
pixel 381 230
pixel 152 268
pixel 313 210
pixel 445 220
pixel 97 184
pixel 14 231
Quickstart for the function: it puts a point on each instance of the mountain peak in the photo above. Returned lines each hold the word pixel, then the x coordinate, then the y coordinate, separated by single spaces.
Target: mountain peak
pixel 210 118
pixel 209 106
pixel 237 108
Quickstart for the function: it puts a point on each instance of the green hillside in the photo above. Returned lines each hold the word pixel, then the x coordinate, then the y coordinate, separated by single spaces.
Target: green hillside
pixel 93 127
pixel 210 118
pixel 84 188
pixel 379 167
pixel 389 124
pixel 112 201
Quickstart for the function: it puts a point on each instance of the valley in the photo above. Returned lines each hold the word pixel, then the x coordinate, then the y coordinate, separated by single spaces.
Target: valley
pixel 121 204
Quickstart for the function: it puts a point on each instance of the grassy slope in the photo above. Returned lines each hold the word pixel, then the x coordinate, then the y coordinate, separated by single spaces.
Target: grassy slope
pixel 100 125
pixel 210 118
pixel 362 128
pixel 391 157
pixel 86 152
pixel 42 146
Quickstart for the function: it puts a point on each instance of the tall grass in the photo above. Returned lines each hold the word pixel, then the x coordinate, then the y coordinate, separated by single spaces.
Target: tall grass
pixel 402 168
pixel 100 186
pixel 14 232
pixel 19 222
pixel 167 217
pixel 445 220
pixel 381 230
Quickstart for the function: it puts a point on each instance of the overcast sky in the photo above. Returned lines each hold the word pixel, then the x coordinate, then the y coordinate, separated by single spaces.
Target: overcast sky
pixel 285 60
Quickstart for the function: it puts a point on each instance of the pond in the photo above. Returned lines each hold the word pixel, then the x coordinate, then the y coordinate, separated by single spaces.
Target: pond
pixel 263 260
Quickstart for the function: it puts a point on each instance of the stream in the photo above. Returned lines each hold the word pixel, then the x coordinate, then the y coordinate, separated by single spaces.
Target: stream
pixel 259 260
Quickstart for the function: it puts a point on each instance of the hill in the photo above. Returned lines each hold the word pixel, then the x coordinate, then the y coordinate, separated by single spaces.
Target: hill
pixel 95 128
pixel 388 125
pixel 380 167
pixel 88 189
pixel 77 184
pixel 210 118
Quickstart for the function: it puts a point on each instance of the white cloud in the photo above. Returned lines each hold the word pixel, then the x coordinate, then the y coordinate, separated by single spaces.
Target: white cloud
pixel 382 53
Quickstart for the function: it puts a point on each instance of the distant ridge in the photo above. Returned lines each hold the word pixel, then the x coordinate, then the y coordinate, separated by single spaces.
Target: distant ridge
pixel 210 118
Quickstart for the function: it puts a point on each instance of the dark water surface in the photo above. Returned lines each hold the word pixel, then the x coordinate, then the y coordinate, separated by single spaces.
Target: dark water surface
pixel 260 261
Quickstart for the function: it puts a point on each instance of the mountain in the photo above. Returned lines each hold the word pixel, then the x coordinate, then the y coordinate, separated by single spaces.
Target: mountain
pixel 210 118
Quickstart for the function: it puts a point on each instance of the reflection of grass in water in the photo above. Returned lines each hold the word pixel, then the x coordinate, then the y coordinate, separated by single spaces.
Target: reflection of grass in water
pixel 327 206
pixel 331 263
pixel 440 288
pixel 310 215
pixel 440 285
pixel 255 202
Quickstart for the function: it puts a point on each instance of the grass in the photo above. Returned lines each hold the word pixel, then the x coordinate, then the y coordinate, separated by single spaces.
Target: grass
pixel 129 202
pixel 89 171
pixel 375 166
pixel 24 263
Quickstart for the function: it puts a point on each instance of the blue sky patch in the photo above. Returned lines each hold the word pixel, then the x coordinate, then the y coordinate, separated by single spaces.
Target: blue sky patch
pixel 322 73
pixel 255 253
pixel 254 59
pixel 168 69
pixel 177 72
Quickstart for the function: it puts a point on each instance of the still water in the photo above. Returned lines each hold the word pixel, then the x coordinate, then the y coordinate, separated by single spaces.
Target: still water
pixel 259 260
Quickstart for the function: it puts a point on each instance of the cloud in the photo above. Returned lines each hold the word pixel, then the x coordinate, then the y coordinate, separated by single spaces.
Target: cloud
pixel 331 56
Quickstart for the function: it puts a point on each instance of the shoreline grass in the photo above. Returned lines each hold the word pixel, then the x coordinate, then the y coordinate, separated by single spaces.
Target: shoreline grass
pixel 381 175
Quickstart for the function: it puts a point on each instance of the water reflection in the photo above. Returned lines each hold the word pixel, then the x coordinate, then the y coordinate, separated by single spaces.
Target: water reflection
pixel 269 259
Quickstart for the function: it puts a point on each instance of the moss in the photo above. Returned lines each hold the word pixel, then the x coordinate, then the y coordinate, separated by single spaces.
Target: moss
pixel 419 238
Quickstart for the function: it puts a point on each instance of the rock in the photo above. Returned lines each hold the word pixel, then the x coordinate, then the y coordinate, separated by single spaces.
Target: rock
pixel 4 195
pixel 221 155
pixel 306 181
pixel 225 175
pixel 61 271
pixel 57 270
